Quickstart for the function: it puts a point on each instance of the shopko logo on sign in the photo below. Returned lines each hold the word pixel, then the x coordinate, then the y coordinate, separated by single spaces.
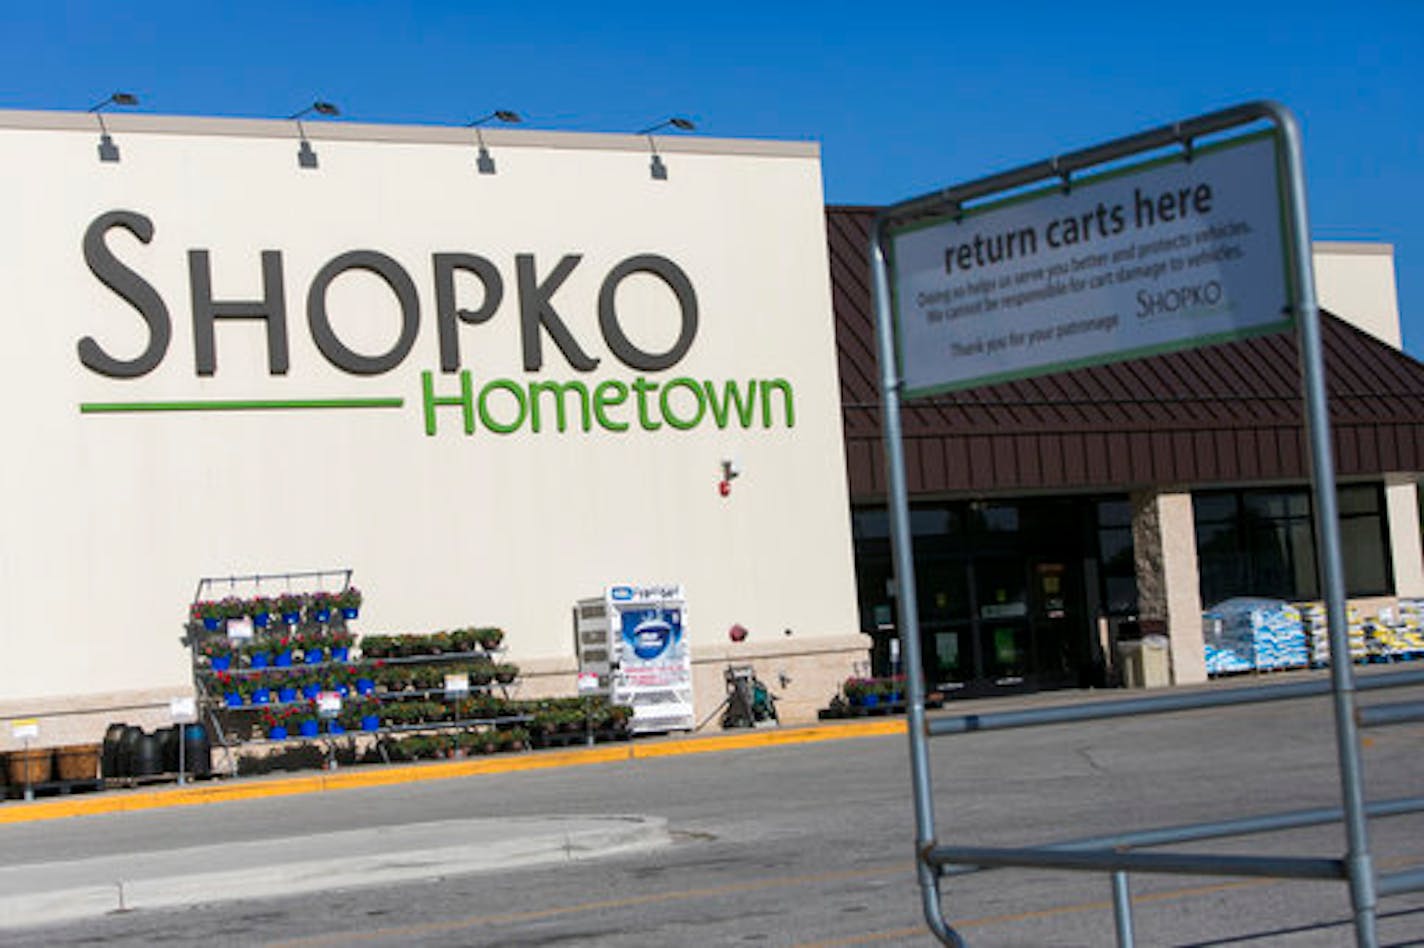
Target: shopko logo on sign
pixel 501 406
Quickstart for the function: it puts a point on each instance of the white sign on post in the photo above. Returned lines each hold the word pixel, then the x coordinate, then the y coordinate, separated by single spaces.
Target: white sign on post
pixel 328 704
pixel 25 729
pixel 183 710
pixel 1163 256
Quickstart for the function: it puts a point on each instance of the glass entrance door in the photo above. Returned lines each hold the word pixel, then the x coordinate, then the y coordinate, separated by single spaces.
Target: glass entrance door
pixel 1002 620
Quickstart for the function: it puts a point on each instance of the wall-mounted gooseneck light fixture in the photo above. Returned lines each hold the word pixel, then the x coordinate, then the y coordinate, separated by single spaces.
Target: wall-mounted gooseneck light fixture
pixel 306 155
pixel 657 168
pixel 483 161
pixel 108 151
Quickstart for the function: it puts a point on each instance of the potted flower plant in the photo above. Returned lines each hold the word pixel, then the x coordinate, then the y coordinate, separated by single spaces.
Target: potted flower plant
pixel 217 651
pixel 861 691
pixel 349 602
pixel 276 722
pixel 258 653
pixel 319 606
pixel 306 719
pixel 209 613
pixel 366 677
pixel 340 642
pixel 233 608
pixel 481 673
pixel 490 638
pixel 284 685
pixel 260 609
pixel 290 604
pixel 505 673
pixel 228 686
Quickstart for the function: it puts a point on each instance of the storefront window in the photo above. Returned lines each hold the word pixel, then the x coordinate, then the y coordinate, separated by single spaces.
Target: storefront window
pixel 1115 556
pixel 1262 543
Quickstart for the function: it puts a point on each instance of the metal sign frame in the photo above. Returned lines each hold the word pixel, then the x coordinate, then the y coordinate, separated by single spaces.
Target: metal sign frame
pixel 933 860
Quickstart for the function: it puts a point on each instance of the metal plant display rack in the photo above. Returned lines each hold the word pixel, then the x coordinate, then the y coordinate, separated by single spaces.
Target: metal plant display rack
pixel 332 581
pixel 1118 855
pixel 207 588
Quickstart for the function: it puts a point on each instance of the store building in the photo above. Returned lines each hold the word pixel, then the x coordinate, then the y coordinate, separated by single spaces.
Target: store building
pixel 492 372
pixel 1049 513
pixel 495 373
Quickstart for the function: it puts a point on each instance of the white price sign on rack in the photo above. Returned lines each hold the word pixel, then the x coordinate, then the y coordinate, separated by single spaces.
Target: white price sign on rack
pixel 328 704
pixel 25 729
pixel 183 710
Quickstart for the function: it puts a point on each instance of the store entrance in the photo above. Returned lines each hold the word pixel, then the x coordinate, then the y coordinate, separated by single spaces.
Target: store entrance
pixel 1002 595
pixel 1012 631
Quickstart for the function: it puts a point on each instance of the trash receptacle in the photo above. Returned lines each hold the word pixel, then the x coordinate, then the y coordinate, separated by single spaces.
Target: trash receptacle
pixel 1144 662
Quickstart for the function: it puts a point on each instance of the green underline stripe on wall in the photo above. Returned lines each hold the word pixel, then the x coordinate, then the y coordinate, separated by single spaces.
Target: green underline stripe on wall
pixel 103 408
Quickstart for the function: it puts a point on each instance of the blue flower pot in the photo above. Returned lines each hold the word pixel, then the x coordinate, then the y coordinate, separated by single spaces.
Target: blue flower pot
pixel 870 701
pixel 315 656
pixel 261 620
pixel 322 615
pixel 342 689
pixel 211 624
pixel 311 691
pixel 286 694
pixel 291 618
pixel 262 696
pixel 310 729
pixel 278 733
pixel 371 722
pixel 284 659
pixel 221 663
pixel 334 727
pixel 365 686
pixel 340 653
pixel 350 612
pixel 233 699
pixel 260 659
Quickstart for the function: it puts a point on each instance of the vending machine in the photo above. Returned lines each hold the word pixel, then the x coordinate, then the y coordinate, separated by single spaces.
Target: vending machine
pixel 632 646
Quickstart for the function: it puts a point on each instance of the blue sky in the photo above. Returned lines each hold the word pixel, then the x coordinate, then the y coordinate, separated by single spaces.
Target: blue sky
pixel 903 98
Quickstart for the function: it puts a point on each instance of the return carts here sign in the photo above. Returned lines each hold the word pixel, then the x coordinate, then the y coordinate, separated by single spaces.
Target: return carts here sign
pixel 1167 255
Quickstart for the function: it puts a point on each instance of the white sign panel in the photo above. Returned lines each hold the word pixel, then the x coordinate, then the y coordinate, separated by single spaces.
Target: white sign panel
pixel 183 710
pixel 1165 256
pixel 654 672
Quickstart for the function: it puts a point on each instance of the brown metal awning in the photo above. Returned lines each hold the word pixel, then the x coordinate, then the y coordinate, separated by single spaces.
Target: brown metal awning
pixel 1223 414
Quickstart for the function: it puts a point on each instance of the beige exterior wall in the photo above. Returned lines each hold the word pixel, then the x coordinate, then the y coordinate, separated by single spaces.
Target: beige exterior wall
pixel 1401 498
pixel 112 518
pixel 1355 281
pixel 1164 537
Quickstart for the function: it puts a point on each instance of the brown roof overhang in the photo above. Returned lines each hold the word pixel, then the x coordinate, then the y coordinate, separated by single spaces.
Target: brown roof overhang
pixel 1222 414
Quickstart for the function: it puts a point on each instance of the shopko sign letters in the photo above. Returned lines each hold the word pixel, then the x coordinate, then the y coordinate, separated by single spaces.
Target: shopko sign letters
pixel 535 292
pixel 500 406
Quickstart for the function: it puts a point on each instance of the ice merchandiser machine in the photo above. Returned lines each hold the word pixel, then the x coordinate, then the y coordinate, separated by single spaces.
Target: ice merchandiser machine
pixel 632 646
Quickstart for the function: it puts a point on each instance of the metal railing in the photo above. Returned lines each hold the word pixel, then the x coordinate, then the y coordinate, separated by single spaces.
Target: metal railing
pixel 1116 855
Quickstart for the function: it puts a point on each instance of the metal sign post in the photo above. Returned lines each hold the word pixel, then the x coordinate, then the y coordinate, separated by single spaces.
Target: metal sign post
pixel 975 269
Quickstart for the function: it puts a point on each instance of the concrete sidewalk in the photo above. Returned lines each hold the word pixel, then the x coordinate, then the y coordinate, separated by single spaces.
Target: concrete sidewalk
pixel 42 893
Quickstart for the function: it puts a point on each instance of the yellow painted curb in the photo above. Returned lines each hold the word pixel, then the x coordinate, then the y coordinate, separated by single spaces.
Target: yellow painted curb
pixel 218 792
pixel 769 737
